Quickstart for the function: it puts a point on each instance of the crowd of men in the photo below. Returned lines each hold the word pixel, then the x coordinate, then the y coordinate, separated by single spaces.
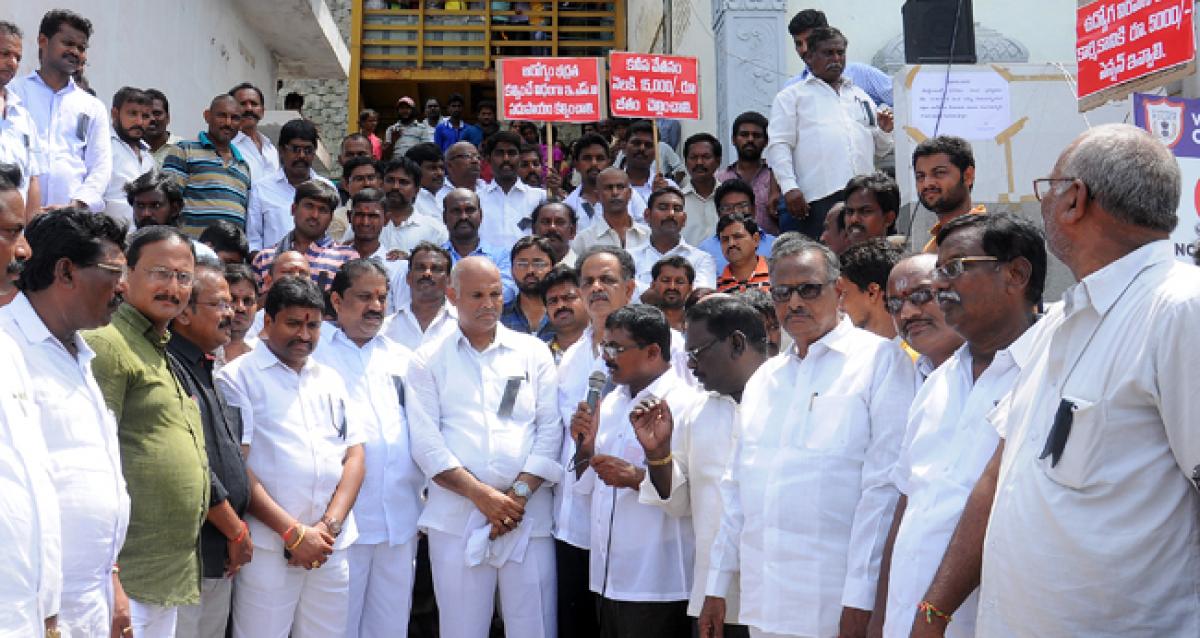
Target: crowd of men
pixel 439 400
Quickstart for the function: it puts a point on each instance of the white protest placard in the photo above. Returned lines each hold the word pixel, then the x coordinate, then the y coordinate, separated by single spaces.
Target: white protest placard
pixel 970 104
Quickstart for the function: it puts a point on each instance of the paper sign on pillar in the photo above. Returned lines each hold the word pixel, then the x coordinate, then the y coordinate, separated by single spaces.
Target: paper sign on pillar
pixel 1176 123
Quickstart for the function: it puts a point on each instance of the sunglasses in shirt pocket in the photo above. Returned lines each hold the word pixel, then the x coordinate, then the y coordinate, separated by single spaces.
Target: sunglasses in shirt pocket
pixel 1078 439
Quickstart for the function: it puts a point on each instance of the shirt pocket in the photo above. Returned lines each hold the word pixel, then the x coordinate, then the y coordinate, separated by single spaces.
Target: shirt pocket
pixel 1081 454
pixel 831 420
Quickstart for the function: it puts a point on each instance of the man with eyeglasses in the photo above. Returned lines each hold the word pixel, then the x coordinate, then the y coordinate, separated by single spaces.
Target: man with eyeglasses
pixel 1099 463
pixel 531 262
pixel 865 268
pixel 556 222
pixel 821 428
pixel 918 317
pixel 357 173
pixel 506 200
pixel 214 173
pixel 199 332
pixel 163 454
pixel 948 439
pixel 734 197
pixel 641 559
pixel 726 344
pixel 303 442
pixel 73 281
pixel 269 214
pixel 463 167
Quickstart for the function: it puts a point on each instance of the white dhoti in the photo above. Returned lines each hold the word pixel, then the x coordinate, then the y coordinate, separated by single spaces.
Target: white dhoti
pixel 273 600
pixel 85 614
pixel 151 621
pixel 466 595
pixel 381 583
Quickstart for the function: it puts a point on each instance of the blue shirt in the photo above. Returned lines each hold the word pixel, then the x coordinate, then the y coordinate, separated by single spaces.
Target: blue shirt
pixel 712 246
pixel 871 80
pixel 446 135
pixel 515 320
pixel 498 257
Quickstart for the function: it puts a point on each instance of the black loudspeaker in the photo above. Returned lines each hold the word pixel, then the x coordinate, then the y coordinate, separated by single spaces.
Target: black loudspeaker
pixel 931 31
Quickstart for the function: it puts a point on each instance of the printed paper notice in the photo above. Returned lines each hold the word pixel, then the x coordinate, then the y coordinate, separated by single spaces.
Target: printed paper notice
pixel 972 104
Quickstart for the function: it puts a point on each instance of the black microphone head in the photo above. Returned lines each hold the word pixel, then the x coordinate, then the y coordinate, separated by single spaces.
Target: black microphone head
pixel 597 380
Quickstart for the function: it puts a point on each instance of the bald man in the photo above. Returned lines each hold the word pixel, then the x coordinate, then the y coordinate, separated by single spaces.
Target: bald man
pixel 463 215
pixel 914 308
pixel 617 226
pixel 215 176
pixel 463 167
pixel 490 460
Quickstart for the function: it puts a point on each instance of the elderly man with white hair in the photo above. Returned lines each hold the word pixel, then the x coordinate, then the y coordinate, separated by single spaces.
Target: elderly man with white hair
pixel 1092 495
pixel 485 429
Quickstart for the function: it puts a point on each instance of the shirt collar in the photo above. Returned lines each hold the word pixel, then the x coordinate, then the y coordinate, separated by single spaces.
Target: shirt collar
pixel 34 330
pixel 262 357
pixel 1102 288
pixel 185 350
pixel 203 139
pixel 688 189
pixel 141 143
pixel 134 318
pixel 659 387
pixel 839 339
pixel 71 86
pixel 503 339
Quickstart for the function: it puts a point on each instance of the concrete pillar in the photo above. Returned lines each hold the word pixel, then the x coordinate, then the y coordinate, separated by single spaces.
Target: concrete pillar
pixel 752 42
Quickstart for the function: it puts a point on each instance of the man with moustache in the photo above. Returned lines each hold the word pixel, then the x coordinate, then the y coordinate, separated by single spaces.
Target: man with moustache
pixel 531 261
pixel 871 206
pixel 490 463
pixel 19 142
pixel 243 293
pixel 156 199
pixel 160 431
pixel 269 215
pixel 834 233
pixel 463 217
pixel 75 281
pixel 215 176
pixel 408 131
pixel 197 334
pixel 433 113
pixel 312 209
pixel 1100 425
pixel 405 227
pixel 565 307
pixel 255 147
pixel 590 154
pixel 530 171
pixel 303 442
pixel 641 561
pixel 750 138
pixel 366 222
pixel 375 370
pixel 617 226
pixel 671 281
pixel 462 170
pixel 919 320
pixel 735 197
pixel 865 268
pixel 667 217
pixel 821 424
pixel 556 222
pixel 455 130
pixel 702 158
pixel 71 124
pixel 726 344
pixel 642 163
pixel 354 146
pixel 506 200
pixel 357 173
pixel 741 242
pixel 812 159
pixel 14 249
pixel 158 134
pixel 944 168
pixel 433 176
pixel 130 153
pixel 949 439
pixel 424 316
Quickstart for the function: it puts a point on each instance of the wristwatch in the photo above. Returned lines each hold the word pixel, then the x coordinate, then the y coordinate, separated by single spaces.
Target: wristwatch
pixel 334 525
pixel 521 488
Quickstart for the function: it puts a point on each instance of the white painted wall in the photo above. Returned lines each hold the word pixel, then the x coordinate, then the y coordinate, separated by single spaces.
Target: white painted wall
pixel 189 50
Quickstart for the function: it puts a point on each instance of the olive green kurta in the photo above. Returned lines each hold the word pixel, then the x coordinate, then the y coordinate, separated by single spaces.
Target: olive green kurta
pixel 162 456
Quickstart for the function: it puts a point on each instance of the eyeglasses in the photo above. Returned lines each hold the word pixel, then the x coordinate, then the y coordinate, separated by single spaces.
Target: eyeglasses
pixel 11 233
pixel 918 298
pixel 783 294
pixel 301 150
pixel 1041 185
pixel 612 349
pixel 693 355
pixel 957 266
pixel 221 306
pixel 118 269
pixel 740 207
pixel 537 264
pixel 161 275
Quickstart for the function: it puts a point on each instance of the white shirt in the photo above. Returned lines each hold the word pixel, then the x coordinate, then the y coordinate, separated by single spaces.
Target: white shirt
pixel 808 500
pixel 701 214
pixel 947 445
pixel 427 204
pixel 456 411
pixel 412 231
pixel 504 214
pixel 262 163
pixel 389 501
pixel 700 450
pixel 29 523
pixel 599 233
pixel 19 140
pixel 299 426
pixel 1108 540
pixel 440 196
pixel 646 189
pixel 646 256
pixel 127 166
pixel 74 129
pixel 269 213
pixel 85 457
pixel 645 553
pixel 403 327
pixel 637 208
pixel 820 138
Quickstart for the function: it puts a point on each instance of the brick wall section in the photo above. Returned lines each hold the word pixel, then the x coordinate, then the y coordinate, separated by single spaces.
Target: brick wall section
pixel 325 101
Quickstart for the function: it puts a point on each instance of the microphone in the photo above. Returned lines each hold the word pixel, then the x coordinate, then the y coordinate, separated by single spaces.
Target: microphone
pixel 595 386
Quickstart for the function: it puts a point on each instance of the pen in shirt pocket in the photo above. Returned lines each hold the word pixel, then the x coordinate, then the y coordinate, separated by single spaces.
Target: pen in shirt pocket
pixel 811 400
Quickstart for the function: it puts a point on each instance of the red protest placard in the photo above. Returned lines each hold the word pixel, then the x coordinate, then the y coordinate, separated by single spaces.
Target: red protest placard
pixel 550 89
pixel 1118 42
pixel 646 85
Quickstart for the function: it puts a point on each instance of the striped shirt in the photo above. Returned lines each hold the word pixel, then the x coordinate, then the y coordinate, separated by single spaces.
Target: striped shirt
pixel 325 257
pixel 213 188
pixel 760 278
